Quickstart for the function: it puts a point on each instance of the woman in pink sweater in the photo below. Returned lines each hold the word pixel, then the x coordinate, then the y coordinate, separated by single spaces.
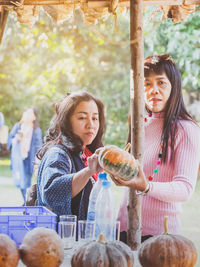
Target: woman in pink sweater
pixel 172 151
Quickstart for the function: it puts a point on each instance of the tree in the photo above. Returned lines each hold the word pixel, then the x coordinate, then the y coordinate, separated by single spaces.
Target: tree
pixel 39 65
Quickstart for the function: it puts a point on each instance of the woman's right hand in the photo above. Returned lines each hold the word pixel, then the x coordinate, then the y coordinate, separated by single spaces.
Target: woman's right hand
pixel 93 164
pixel 81 178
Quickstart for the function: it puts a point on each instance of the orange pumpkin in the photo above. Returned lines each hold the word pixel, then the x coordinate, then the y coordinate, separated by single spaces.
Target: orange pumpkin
pixel 167 250
pixel 42 247
pixel 118 162
pixel 9 253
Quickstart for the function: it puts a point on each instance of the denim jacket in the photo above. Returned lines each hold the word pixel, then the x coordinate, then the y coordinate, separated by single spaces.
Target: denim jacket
pixel 54 184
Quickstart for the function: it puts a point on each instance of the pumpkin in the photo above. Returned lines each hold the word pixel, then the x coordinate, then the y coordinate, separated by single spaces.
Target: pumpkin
pixel 118 162
pixel 167 250
pixel 42 247
pixel 9 254
pixel 103 254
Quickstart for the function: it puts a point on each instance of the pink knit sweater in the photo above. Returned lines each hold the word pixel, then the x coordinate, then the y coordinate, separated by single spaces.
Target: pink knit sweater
pixel 173 184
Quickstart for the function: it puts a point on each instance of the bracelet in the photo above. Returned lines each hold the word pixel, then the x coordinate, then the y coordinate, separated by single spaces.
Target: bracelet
pixel 146 190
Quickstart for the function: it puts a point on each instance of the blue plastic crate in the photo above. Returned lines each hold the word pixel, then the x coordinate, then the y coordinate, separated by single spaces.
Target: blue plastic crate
pixel 17 221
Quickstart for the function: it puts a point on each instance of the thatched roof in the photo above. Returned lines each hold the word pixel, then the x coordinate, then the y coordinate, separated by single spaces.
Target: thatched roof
pixel 59 10
pixel 93 10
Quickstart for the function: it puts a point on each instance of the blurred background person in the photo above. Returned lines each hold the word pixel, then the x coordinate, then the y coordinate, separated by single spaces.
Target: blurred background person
pixel 24 140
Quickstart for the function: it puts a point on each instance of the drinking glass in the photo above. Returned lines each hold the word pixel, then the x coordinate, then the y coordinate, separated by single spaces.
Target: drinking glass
pixel 67 230
pixel 68 218
pixel 86 231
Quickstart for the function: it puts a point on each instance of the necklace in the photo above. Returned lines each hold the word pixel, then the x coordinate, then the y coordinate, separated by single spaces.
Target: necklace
pixel 158 161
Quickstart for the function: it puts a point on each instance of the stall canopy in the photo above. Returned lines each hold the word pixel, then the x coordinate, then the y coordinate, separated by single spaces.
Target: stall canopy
pixel 28 11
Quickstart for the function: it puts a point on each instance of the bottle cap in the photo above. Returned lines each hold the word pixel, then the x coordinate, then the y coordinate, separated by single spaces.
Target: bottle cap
pixel 102 176
pixel 106 183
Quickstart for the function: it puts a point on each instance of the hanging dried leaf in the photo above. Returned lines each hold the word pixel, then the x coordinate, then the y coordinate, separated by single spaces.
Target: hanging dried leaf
pixel 177 13
pixel 113 6
pixel 59 13
pixel 93 10
pixel 27 14
pixel 92 15
pixel 123 10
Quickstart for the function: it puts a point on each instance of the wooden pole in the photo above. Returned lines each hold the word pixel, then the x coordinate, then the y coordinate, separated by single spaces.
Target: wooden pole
pixel 3 20
pixel 137 114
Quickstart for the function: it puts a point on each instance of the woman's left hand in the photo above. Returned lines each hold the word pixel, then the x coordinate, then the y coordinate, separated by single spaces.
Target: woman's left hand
pixel 138 183
pixel 120 181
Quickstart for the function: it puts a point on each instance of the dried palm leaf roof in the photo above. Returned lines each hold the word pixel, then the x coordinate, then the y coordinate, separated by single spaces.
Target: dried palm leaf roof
pixel 93 10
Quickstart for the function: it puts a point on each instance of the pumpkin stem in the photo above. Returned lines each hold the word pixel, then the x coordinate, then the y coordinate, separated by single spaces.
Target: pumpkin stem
pixel 102 239
pixel 127 147
pixel 165 225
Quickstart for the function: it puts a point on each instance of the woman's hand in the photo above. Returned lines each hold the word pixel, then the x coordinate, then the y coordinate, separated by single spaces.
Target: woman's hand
pixel 138 183
pixel 93 164
pixel 81 178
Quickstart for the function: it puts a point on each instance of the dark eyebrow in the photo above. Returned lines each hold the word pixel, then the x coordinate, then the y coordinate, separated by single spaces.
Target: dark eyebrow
pixel 158 78
pixel 161 78
pixel 80 112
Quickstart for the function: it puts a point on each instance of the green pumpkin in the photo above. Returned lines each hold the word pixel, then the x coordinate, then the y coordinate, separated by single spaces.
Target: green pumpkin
pixel 118 162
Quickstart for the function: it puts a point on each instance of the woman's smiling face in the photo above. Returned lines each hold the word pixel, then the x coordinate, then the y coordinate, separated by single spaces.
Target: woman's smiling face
pixel 157 91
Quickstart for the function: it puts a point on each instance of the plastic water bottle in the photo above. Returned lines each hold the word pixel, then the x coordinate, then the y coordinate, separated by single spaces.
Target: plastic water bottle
pixel 93 196
pixel 105 212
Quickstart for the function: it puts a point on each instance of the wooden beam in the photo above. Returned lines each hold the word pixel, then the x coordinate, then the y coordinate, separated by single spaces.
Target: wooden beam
pixel 170 2
pixel 137 115
pixel 96 3
pixel 163 2
pixel 192 2
pixel 3 20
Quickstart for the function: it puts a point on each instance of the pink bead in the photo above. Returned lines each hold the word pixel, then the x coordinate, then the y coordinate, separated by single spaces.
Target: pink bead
pixel 150 114
pixel 158 162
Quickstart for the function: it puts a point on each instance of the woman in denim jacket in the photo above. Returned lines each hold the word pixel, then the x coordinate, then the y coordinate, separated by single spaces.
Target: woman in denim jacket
pixel 69 166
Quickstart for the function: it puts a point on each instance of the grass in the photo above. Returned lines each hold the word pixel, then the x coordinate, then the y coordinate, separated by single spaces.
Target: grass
pixel 190 219
pixel 5 167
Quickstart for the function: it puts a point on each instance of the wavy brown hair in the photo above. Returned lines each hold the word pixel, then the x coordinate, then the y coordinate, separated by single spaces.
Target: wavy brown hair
pixel 60 127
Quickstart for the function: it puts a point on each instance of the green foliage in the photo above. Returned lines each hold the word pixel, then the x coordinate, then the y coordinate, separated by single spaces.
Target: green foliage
pixel 40 65
pixel 181 40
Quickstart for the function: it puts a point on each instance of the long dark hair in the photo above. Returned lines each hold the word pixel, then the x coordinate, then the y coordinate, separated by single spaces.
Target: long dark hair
pixel 175 109
pixel 60 129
